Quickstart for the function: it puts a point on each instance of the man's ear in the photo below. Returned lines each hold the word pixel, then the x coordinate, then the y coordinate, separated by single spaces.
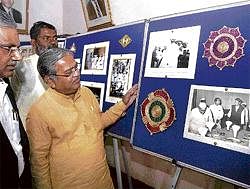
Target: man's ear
pixel 33 43
pixel 50 82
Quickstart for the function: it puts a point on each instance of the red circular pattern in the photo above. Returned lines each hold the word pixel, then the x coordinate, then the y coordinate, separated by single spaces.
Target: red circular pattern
pixel 167 117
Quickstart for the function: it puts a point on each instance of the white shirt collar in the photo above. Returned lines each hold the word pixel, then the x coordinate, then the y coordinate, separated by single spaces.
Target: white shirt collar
pixel 3 87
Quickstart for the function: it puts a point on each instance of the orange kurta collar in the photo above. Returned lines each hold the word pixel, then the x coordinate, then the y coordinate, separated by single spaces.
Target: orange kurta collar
pixel 59 96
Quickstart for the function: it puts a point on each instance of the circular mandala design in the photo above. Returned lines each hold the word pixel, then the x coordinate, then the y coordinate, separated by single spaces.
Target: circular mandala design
pixel 157 111
pixel 224 47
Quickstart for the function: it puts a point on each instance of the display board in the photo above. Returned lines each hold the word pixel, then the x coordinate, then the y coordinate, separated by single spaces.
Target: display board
pixel 191 59
pixel 111 57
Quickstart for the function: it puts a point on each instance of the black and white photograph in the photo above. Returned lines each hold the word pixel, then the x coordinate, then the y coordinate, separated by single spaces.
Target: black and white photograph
pixel 61 42
pixel 78 61
pixel 97 89
pixel 97 13
pixel 18 9
pixel 26 50
pixel 120 76
pixel 95 57
pixel 173 53
pixel 219 116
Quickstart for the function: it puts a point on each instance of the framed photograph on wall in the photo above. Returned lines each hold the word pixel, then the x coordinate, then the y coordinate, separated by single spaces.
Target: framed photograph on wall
pixel 219 116
pixel 26 50
pixel 172 53
pixel 97 89
pixel 97 14
pixel 120 76
pixel 18 9
pixel 95 57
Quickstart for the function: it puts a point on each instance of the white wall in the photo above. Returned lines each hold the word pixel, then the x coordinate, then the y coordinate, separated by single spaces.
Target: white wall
pixel 44 10
pixel 67 15
pixel 132 10
pixel 73 17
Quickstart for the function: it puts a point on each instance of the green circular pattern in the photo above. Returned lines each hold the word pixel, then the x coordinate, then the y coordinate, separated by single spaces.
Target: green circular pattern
pixel 163 111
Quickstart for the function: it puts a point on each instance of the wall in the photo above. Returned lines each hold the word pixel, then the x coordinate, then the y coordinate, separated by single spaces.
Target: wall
pixel 68 17
pixel 141 9
pixel 45 11
pixel 73 17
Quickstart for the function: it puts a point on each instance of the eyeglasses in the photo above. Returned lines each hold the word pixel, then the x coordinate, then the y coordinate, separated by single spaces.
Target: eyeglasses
pixel 11 49
pixel 48 38
pixel 69 73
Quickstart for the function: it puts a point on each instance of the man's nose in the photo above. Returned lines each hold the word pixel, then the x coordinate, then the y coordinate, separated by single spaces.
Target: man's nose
pixel 53 41
pixel 76 73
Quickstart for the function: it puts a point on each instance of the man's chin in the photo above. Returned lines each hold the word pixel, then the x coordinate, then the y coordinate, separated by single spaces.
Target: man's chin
pixel 77 86
pixel 9 74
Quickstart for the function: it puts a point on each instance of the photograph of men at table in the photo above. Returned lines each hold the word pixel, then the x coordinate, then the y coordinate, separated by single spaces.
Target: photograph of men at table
pixel 220 115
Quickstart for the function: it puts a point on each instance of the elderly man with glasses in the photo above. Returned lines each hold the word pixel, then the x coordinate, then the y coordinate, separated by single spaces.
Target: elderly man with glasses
pixel 65 127
pixel 14 146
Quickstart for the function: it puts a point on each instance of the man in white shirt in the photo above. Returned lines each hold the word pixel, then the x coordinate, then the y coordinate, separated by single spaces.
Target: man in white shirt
pixel 200 116
pixel 217 112
pixel 26 81
pixel 245 116
pixel 14 145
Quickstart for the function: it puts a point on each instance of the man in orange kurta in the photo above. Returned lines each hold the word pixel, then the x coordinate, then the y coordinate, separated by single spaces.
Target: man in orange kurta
pixel 65 128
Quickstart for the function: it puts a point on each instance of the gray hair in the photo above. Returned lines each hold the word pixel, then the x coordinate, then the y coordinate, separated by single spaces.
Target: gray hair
pixel 6 20
pixel 47 60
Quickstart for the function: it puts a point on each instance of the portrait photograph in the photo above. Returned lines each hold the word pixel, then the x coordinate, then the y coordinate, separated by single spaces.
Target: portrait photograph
pixel 95 57
pixel 61 42
pixel 26 50
pixel 219 116
pixel 120 76
pixel 97 14
pixel 97 89
pixel 173 53
pixel 18 9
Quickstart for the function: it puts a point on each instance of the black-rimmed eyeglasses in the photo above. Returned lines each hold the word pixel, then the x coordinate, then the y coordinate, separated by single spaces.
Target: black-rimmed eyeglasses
pixel 69 73
pixel 11 49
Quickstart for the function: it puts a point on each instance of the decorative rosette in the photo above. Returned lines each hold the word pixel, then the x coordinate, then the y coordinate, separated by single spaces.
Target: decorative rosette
pixel 158 111
pixel 224 47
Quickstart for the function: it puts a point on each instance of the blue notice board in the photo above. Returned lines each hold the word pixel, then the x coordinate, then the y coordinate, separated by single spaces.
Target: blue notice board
pixel 197 152
pixel 134 37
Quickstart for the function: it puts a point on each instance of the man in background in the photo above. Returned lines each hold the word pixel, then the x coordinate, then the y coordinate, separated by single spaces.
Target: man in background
pixel 157 56
pixel 26 82
pixel 183 59
pixel 14 145
pixel 6 5
pixel 235 113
